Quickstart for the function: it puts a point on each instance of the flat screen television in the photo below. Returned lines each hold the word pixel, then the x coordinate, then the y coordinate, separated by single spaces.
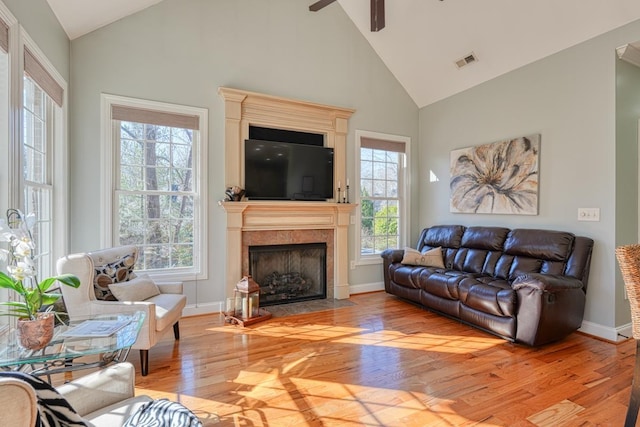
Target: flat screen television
pixel 287 171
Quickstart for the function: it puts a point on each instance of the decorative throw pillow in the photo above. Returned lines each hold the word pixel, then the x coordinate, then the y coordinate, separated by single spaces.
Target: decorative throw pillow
pixel 138 289
pixel 165 413
pixel 115 272
pixel 53 408
pixel 431 258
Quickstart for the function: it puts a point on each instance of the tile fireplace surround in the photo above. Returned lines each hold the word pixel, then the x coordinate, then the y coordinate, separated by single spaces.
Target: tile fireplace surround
pixel 284 222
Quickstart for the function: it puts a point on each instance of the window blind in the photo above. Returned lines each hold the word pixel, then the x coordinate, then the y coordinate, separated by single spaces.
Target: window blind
pixel 39 74
pixel 160 118
pixel 382 144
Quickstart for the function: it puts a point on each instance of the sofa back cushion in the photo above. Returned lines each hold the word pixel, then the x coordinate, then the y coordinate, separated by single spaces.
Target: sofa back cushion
pixel 480 249
pixel 535 251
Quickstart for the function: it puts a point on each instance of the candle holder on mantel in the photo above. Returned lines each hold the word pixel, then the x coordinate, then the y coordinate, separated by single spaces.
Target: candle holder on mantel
pixel 244 308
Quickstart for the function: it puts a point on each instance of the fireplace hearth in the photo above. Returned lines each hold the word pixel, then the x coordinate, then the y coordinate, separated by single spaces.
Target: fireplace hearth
pixel 289 273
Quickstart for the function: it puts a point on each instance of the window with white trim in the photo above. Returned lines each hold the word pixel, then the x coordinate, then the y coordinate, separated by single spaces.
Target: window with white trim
pixel 42 112
pixel 382 205
pixel 157 185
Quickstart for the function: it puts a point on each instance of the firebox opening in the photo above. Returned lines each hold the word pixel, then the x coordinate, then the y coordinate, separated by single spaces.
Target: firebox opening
pixel 289 273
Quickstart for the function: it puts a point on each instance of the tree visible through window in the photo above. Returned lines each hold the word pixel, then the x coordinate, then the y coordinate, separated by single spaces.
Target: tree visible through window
pixel 155 198
pixel 156 189
pixel 381 172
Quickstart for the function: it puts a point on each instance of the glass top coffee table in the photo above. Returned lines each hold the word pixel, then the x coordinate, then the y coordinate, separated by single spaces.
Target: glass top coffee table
pixel 108 336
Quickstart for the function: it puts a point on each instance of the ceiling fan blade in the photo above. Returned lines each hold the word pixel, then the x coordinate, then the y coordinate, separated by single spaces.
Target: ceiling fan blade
pixel 320 4
pixel 377 15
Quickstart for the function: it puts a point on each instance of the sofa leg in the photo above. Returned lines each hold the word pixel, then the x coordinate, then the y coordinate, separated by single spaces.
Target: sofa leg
pixel 176 330
pixel 144 362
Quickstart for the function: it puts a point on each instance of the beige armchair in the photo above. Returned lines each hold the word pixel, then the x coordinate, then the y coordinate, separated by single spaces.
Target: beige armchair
pixel 162 311
pixel 104 398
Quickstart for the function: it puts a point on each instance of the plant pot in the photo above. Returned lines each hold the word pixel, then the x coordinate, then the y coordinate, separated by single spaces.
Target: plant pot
pixel 36 334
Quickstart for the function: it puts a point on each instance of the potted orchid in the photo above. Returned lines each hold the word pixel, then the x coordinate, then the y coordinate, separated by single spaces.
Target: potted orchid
pixel 34 307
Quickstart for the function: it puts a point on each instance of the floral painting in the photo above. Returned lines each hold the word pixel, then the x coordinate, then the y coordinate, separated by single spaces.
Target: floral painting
pixel 499 178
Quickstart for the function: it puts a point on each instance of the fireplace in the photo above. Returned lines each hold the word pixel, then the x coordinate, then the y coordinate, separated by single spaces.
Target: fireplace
pixel 289 273
pixel 256 223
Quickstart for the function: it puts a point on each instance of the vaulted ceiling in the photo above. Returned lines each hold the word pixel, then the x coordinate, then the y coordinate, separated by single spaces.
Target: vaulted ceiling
pixel 423 39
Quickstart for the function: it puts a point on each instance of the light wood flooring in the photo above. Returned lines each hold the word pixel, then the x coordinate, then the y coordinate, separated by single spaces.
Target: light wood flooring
pixel 384 362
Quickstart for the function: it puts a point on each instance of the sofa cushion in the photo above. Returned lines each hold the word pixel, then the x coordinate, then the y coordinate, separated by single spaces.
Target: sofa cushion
pixel 407 276
pixel 430 258
pixel 137 289
pixel 488 295
pixel 542 244
pixel 443 284
pixel 489 238
pixel 447 236
pixel 117 413
pixel 120 270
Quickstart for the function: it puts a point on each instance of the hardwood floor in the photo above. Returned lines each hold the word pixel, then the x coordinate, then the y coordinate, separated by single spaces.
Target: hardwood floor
pixel 385 362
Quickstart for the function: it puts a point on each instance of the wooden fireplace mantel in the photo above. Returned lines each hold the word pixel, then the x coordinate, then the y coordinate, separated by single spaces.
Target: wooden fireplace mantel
pixel 242 109
pixel 269 216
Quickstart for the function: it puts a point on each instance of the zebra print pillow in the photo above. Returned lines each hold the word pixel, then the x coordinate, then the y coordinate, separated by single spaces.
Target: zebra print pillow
pixel 163 413
pixel 53 409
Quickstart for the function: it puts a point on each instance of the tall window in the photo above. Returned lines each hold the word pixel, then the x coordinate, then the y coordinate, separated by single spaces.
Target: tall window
pixel 37 159
pixel 382 223
pixel 42 99
pixel 157 185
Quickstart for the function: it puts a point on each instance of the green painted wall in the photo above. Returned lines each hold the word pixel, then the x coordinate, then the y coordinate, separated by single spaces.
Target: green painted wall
pixel 181 51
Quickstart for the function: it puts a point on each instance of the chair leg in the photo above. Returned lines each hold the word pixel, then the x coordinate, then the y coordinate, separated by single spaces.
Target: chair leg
pixel 176 330
pixel 634 400
pixel 144 362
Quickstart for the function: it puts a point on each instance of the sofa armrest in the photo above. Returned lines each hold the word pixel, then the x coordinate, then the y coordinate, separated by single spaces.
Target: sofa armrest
pixel 392 255
pixel 550 307
pixel 546 282
pixel 19 403
pixel 169 287
pixel 389 256
pixel 100 389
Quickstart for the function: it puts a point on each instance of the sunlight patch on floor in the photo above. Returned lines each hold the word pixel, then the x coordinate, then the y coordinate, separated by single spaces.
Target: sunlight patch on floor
pixel 339 334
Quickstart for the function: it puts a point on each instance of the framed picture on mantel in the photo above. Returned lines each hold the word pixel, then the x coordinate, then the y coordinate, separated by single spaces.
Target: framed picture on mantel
pixel 496 178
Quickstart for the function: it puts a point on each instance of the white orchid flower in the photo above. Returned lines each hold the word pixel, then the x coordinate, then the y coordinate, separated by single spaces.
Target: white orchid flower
pixel 6 233
pixel 4 254
pixel 21 270
pixel 22 248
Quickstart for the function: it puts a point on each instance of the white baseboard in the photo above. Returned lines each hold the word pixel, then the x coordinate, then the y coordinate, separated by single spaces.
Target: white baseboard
pixel 206 308
pixel 218 306
pixel 366 287
pixel 608 333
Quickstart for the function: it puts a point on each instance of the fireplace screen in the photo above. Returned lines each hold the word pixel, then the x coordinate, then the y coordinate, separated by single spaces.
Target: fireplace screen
pixel 289 273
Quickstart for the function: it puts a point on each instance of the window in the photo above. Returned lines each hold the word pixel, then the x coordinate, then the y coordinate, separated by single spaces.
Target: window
pixel 382 214
pixel 42 98
pixel 157 184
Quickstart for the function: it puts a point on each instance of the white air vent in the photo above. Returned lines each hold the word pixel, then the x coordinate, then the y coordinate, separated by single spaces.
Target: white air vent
pixel 466 60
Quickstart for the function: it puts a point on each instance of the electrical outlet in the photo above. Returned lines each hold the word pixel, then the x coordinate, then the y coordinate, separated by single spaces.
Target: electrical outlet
pixel 588 214
pixel 352 219
pixel 352 265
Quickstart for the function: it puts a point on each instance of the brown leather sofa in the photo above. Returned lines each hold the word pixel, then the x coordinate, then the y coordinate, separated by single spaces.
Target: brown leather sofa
pixel 525 285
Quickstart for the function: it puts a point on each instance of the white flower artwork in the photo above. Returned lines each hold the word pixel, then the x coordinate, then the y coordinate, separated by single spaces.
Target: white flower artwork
pixel 498 178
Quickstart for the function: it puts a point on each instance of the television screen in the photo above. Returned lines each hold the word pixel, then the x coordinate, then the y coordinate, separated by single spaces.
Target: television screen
pixel 287 171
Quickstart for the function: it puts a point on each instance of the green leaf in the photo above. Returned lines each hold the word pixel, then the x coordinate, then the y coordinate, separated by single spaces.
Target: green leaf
pixel 7 282
pixel 66 279
pixel 50 298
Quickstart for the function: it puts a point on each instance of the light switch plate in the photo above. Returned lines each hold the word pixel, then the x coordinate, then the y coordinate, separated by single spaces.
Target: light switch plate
pixel 588 214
